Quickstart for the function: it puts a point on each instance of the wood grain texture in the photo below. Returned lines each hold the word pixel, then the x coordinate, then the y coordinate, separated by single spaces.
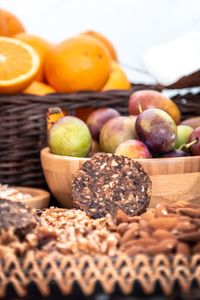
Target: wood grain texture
pixel 173 179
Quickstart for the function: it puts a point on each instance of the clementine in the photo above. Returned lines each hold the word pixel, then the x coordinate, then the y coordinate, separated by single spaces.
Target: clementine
pixel 117 79
pixel 105 41
pixel 9 24
pixel 39 88
pixel 77 64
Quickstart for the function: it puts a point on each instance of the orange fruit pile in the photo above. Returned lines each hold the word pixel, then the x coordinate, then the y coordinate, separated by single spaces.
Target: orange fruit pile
pixel 30 64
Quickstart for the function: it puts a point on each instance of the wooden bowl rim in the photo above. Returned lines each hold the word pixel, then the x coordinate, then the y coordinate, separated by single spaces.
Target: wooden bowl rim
pixel 37 195
pixel 46 152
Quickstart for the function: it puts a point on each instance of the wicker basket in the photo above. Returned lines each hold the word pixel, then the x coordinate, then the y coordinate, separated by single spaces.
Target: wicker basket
pixel 57 277
pixel 23 127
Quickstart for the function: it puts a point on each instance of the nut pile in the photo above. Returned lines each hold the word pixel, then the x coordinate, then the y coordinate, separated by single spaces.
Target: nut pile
pixel 77 233
pixel 64 231
pixel 161 230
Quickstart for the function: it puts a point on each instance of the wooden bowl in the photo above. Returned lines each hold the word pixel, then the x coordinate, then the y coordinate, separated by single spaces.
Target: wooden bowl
pixel 39 198
pixel 173 179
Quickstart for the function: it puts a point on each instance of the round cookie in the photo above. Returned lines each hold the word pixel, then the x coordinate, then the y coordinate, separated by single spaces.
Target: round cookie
pixel 107 183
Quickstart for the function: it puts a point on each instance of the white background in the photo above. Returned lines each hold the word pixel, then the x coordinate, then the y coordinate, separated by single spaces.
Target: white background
pixel 134 26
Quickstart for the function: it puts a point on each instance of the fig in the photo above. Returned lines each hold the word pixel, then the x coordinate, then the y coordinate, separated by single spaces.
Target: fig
pixel 157 130
pixel 193 122
pixel 98 118
pixel 145 99
pixel 133 149
pixel 183 134
pixel 69 136
pixel 116 131
pixel 194 141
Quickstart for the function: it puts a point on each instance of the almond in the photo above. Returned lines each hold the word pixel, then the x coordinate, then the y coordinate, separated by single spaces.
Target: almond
pixel 185 226
pixel 162 234
pixel 122 228
pixel 129 235
pixel 165 246
pixel 134 250
pixel 166 223
pixel 191 212
pixel 193 236
pixel 143 234
pixel 121 217
pixel 149 215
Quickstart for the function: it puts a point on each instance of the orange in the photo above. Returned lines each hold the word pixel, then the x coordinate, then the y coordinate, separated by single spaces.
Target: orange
pixel 117 79
pixel 41 47
pixel 19 64
pixel 77 64
pixel 39 88
pixel 105 41
pixel 9 24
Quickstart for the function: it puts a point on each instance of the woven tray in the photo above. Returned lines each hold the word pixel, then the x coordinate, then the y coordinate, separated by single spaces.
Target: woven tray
pixel 86 275
pixel 23 127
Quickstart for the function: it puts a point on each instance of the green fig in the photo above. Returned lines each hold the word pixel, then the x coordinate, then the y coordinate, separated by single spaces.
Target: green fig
pixel 69 136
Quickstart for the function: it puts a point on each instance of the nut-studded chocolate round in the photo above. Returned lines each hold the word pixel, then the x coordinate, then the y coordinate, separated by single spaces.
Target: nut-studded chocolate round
pixel 16 217
pixel 108 183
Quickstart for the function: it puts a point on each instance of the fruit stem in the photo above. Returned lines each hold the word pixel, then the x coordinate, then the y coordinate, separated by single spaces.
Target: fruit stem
pixel 187 146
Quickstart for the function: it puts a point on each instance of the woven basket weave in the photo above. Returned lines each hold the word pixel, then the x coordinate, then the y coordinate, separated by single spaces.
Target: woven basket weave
pixel 23 127
pixel 138 275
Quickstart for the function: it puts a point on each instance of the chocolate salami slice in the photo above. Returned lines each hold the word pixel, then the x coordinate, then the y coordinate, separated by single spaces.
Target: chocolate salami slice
pixel 17 217
pixel 108 183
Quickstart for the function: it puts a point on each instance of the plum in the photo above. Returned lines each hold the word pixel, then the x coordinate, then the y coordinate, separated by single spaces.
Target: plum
pixel 183 134
pixel 175 153
pixel 142 100
pixel 98 118
pixel 157 130
pixel 194 141
pixel 133 149
pixel 116 131
pixel 69 136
